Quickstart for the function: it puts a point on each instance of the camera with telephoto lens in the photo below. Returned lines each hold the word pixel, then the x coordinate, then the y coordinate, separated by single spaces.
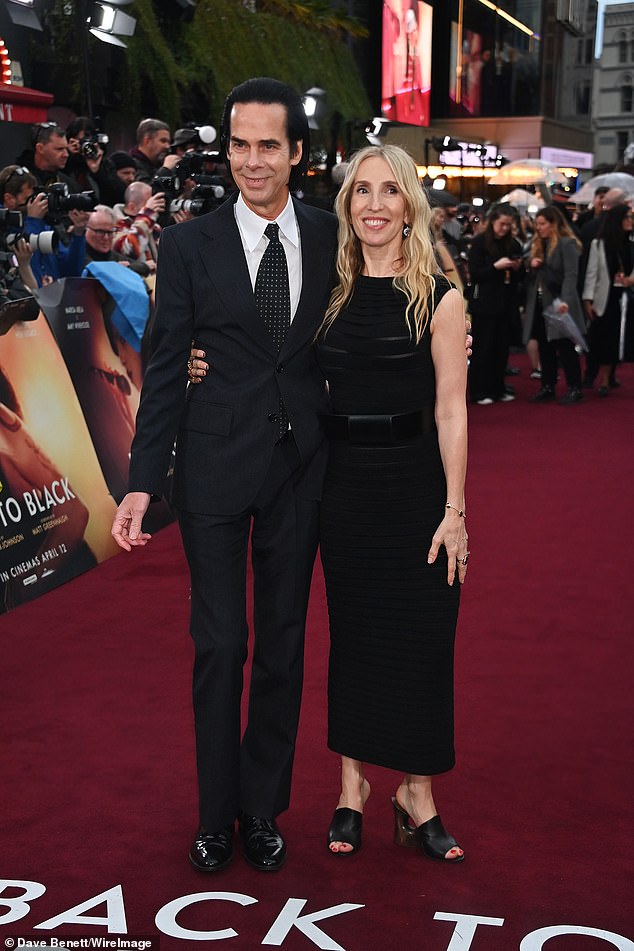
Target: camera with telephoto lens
pixel 93 145
pixel 61 200
pixel 11 232
pixel 209 190
pixel 206 196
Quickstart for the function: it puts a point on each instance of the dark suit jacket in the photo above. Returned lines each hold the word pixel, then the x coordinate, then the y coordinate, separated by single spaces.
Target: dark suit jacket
pixel 224 435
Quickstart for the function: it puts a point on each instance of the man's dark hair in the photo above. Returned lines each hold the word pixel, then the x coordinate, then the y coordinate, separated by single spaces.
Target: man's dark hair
pixel 80 124
pixel 268 92
pixel 611 232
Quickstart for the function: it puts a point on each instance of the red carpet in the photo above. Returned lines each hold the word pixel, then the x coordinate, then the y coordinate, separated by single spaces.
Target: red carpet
pixel 98 785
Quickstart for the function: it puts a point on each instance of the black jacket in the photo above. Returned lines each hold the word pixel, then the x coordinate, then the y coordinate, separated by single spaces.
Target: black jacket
pixel 225 434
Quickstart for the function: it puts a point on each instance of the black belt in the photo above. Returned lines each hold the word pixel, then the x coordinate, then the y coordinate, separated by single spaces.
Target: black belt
pixel 373 429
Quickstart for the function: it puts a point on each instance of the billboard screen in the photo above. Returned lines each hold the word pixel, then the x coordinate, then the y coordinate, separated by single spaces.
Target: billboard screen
pixel 406 65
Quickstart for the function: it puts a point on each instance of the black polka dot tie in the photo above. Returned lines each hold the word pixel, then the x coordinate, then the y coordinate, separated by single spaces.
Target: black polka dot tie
pixel 273 298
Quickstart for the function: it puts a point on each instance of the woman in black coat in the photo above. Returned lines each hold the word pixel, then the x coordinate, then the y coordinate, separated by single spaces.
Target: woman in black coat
pixel 495 264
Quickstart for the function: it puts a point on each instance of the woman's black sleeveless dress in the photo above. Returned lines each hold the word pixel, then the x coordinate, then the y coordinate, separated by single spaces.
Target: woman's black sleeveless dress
pixel 392 616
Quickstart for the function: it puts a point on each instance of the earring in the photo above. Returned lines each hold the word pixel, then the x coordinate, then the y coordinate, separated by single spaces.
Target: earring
pixel 406 231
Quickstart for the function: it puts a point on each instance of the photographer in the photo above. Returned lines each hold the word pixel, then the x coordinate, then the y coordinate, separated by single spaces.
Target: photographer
pixel 87 162
pixel 16 276
pixel 188 189
pixel 153 143
pixel 49 261
pixel 49 156
pixel 138 231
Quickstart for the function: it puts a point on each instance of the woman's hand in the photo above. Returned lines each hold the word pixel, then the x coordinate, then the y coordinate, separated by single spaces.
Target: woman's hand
pixel 196 365
pixel 536 262
pixel 589 310
pixel 503 263
pixel 452 533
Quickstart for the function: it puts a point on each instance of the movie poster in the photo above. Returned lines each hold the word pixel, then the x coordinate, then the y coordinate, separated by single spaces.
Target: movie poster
pixel 105 366
pixel 406 66
pixel 55 508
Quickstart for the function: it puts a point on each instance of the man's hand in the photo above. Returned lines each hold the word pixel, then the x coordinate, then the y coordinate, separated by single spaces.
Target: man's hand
pixel 155 205
pixel 180 216
pixel 126 527
pixel 37 206
pixel 23 253
pixel 171 161
pixel 79 220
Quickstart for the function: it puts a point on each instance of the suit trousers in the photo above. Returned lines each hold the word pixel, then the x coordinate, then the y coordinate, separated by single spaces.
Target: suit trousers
pixel 250 771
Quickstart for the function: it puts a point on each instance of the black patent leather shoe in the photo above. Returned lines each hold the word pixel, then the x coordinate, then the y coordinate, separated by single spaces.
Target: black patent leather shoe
pixel 264 847
pixel 212 851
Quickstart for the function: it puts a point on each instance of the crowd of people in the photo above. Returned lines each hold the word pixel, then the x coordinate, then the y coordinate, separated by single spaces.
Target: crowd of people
pixel 80 203
pixel 556 283
pixel 66 201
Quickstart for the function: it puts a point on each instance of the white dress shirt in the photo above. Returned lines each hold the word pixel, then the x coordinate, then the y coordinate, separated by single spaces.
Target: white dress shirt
pixel 254 242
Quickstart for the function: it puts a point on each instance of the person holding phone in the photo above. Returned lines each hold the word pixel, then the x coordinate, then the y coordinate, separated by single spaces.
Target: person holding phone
pixel 495 264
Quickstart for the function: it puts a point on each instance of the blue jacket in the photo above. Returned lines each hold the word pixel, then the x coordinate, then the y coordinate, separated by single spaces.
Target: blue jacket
pixel 68 261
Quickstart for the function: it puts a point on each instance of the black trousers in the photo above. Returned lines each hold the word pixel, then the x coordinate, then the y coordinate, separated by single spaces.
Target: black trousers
pixel 490 355
pixel 552 352
pixel 250 771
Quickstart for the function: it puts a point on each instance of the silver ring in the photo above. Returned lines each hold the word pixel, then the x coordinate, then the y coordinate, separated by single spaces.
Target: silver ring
pixel 463 561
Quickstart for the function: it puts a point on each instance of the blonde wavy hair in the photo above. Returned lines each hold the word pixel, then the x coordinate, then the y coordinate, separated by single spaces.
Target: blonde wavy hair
pixel 415 277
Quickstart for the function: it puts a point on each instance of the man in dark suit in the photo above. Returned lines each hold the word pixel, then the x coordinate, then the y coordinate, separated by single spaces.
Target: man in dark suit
pixel 249 459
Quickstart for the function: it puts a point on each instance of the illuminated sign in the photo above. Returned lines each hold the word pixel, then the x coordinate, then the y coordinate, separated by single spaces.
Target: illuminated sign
pixel 5 64
pixel 406 61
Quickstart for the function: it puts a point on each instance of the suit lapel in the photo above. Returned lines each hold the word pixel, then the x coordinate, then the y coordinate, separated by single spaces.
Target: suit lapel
pixel 223 259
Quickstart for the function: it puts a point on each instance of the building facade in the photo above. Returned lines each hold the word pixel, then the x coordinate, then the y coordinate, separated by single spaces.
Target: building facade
pixel 516 74
pixel 613 86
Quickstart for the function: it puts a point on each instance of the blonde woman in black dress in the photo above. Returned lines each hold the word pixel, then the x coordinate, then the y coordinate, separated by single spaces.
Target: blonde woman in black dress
pixel 393 535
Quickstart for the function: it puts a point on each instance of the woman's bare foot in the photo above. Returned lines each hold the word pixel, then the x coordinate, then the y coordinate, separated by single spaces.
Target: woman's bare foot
pixel 355 790
pixel 414 795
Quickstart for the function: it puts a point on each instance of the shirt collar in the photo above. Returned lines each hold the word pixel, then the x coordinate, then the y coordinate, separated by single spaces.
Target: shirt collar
pixel 252 226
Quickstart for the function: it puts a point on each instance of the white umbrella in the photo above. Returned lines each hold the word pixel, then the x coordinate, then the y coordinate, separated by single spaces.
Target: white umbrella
pixel 520 198
pixel 528 172
pixel 608 180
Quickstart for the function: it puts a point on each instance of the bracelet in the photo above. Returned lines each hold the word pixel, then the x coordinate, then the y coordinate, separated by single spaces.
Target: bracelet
pixel 461 512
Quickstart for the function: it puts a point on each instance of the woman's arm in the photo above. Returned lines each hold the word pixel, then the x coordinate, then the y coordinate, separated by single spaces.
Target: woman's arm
pixel 447 349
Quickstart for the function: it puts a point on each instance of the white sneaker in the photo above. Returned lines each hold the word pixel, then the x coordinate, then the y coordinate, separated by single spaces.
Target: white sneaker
pixel 507 398
pixel 486 401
